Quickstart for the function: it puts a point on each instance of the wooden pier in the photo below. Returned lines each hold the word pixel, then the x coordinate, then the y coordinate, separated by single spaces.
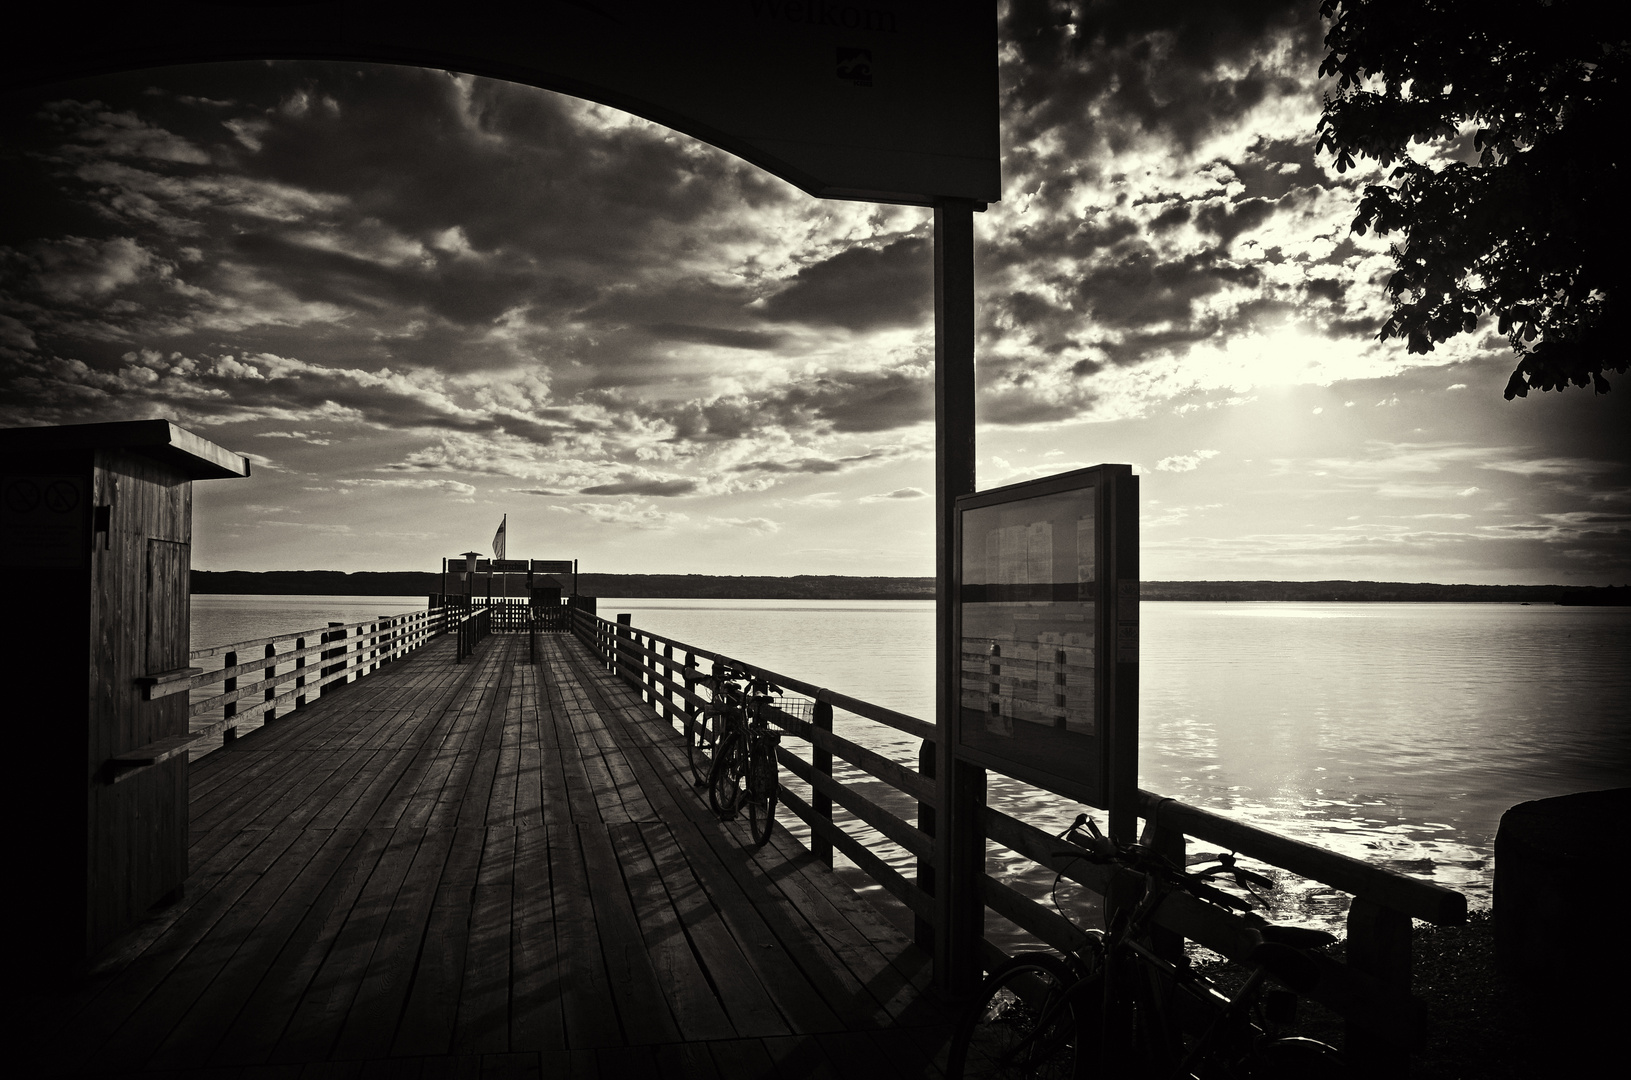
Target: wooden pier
pixel 489 868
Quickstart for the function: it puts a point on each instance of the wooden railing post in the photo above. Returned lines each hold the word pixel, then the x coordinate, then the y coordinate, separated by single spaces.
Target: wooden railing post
pixel 1169 843
pixel 270 714
pixel 230 709
pixel 923 929
pixel 660 675
pixel 299 680
pixel 821 761
pixel 692 709
pixel 1378 945
pixel 328 654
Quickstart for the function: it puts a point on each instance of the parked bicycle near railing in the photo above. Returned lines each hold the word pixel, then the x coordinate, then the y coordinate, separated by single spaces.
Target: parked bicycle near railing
pixel 741 770
pixel 705 729
pixel 1115 1007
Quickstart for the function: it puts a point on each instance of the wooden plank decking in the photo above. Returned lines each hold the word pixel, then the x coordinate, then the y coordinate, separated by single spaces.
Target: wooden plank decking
pixel 497 868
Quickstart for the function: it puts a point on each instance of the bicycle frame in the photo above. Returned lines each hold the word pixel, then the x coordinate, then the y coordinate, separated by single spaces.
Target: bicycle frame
pixel 1149 1016
pixel 743 770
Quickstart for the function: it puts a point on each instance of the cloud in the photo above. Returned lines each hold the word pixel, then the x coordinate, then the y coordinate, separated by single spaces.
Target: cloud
pixel 802 465
pixel 823 500
pixel 713 335
pixel 651 487
pixel 80 270
pixel 457 276
pixel 1554 466
pixel 305 526
pixel 367 220
pixel 758 524
pixel 302 436
pixel 862 288
pixel 897 494
pixel 455 487
pixel 1185 462
pixel 626 514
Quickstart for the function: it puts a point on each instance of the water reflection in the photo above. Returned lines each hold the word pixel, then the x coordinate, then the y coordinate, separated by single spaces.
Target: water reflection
pixel 1393 733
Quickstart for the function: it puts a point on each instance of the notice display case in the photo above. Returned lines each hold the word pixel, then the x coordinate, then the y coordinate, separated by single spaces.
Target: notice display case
pixel 1047 616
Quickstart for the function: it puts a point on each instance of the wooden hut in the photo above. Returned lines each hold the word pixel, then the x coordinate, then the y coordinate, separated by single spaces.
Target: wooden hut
pixel 96 536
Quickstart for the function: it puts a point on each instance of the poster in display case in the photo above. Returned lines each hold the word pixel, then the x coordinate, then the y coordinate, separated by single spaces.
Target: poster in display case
pixel 1047 618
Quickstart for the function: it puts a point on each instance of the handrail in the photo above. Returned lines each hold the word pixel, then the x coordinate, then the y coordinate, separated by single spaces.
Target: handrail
pixel 1365 989
pixel 1412 896
pixel 346 653
pixel 256 643
pixel 878 713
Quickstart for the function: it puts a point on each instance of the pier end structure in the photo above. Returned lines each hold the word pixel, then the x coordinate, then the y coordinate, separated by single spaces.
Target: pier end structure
pixel 96 536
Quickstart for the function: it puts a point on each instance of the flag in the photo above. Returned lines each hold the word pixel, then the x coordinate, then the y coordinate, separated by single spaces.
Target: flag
pixel 498 538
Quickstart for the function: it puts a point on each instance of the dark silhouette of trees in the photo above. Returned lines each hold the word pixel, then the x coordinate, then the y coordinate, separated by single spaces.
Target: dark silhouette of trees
pixel 1533 232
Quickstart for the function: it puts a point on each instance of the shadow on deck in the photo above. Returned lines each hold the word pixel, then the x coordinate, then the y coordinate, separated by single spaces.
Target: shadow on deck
pixel 497 868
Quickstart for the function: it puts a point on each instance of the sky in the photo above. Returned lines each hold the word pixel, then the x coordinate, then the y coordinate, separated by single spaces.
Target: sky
pixel 421 301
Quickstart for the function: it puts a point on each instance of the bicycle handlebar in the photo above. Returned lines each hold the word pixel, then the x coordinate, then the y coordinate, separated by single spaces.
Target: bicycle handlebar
pixel 1146 860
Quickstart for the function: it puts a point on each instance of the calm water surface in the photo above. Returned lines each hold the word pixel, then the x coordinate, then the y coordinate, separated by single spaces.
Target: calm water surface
pixel 223 619
pixel 1396 733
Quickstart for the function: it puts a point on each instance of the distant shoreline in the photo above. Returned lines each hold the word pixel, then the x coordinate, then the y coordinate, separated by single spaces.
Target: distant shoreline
pixel 835 587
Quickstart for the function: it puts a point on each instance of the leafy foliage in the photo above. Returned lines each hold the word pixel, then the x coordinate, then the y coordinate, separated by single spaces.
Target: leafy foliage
pixel 1533 231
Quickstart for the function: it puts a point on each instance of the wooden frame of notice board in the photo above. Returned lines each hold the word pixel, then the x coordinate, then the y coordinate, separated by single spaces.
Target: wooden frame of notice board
pixel 1045 577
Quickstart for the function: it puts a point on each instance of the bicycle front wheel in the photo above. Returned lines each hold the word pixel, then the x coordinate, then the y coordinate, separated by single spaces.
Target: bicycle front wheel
pixel 761 787
pixel 728 778
pixel 1026 1023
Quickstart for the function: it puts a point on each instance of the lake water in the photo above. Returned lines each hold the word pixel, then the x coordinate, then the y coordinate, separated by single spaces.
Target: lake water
pixel 1395 733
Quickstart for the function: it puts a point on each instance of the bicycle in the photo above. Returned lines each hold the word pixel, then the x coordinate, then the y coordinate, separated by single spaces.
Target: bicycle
pixel 1115 1005
pixel 744 772
pixel 707 727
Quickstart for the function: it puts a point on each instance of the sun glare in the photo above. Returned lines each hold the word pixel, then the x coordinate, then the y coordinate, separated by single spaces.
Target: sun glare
pixel 1286 356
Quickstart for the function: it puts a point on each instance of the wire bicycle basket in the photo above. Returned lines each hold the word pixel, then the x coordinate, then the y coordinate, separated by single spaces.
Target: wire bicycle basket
pixel 799 708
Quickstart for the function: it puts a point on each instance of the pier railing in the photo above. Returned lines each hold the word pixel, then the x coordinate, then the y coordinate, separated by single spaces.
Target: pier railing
pixel 513 614
pixel 253 682
pixel 1370 988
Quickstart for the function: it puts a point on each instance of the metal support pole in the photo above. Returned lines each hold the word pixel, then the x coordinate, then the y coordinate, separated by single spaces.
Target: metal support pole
pixel 960 788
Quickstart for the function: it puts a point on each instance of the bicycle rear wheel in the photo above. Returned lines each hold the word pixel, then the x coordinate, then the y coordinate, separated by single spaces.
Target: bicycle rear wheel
pixel 701 735
pixel 1296 1058
pixel 728 778
pixel 761 786
pixel 1027 1023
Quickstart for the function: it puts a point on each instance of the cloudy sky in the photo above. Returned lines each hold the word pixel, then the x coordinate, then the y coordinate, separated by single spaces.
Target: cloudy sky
pixel 421 300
